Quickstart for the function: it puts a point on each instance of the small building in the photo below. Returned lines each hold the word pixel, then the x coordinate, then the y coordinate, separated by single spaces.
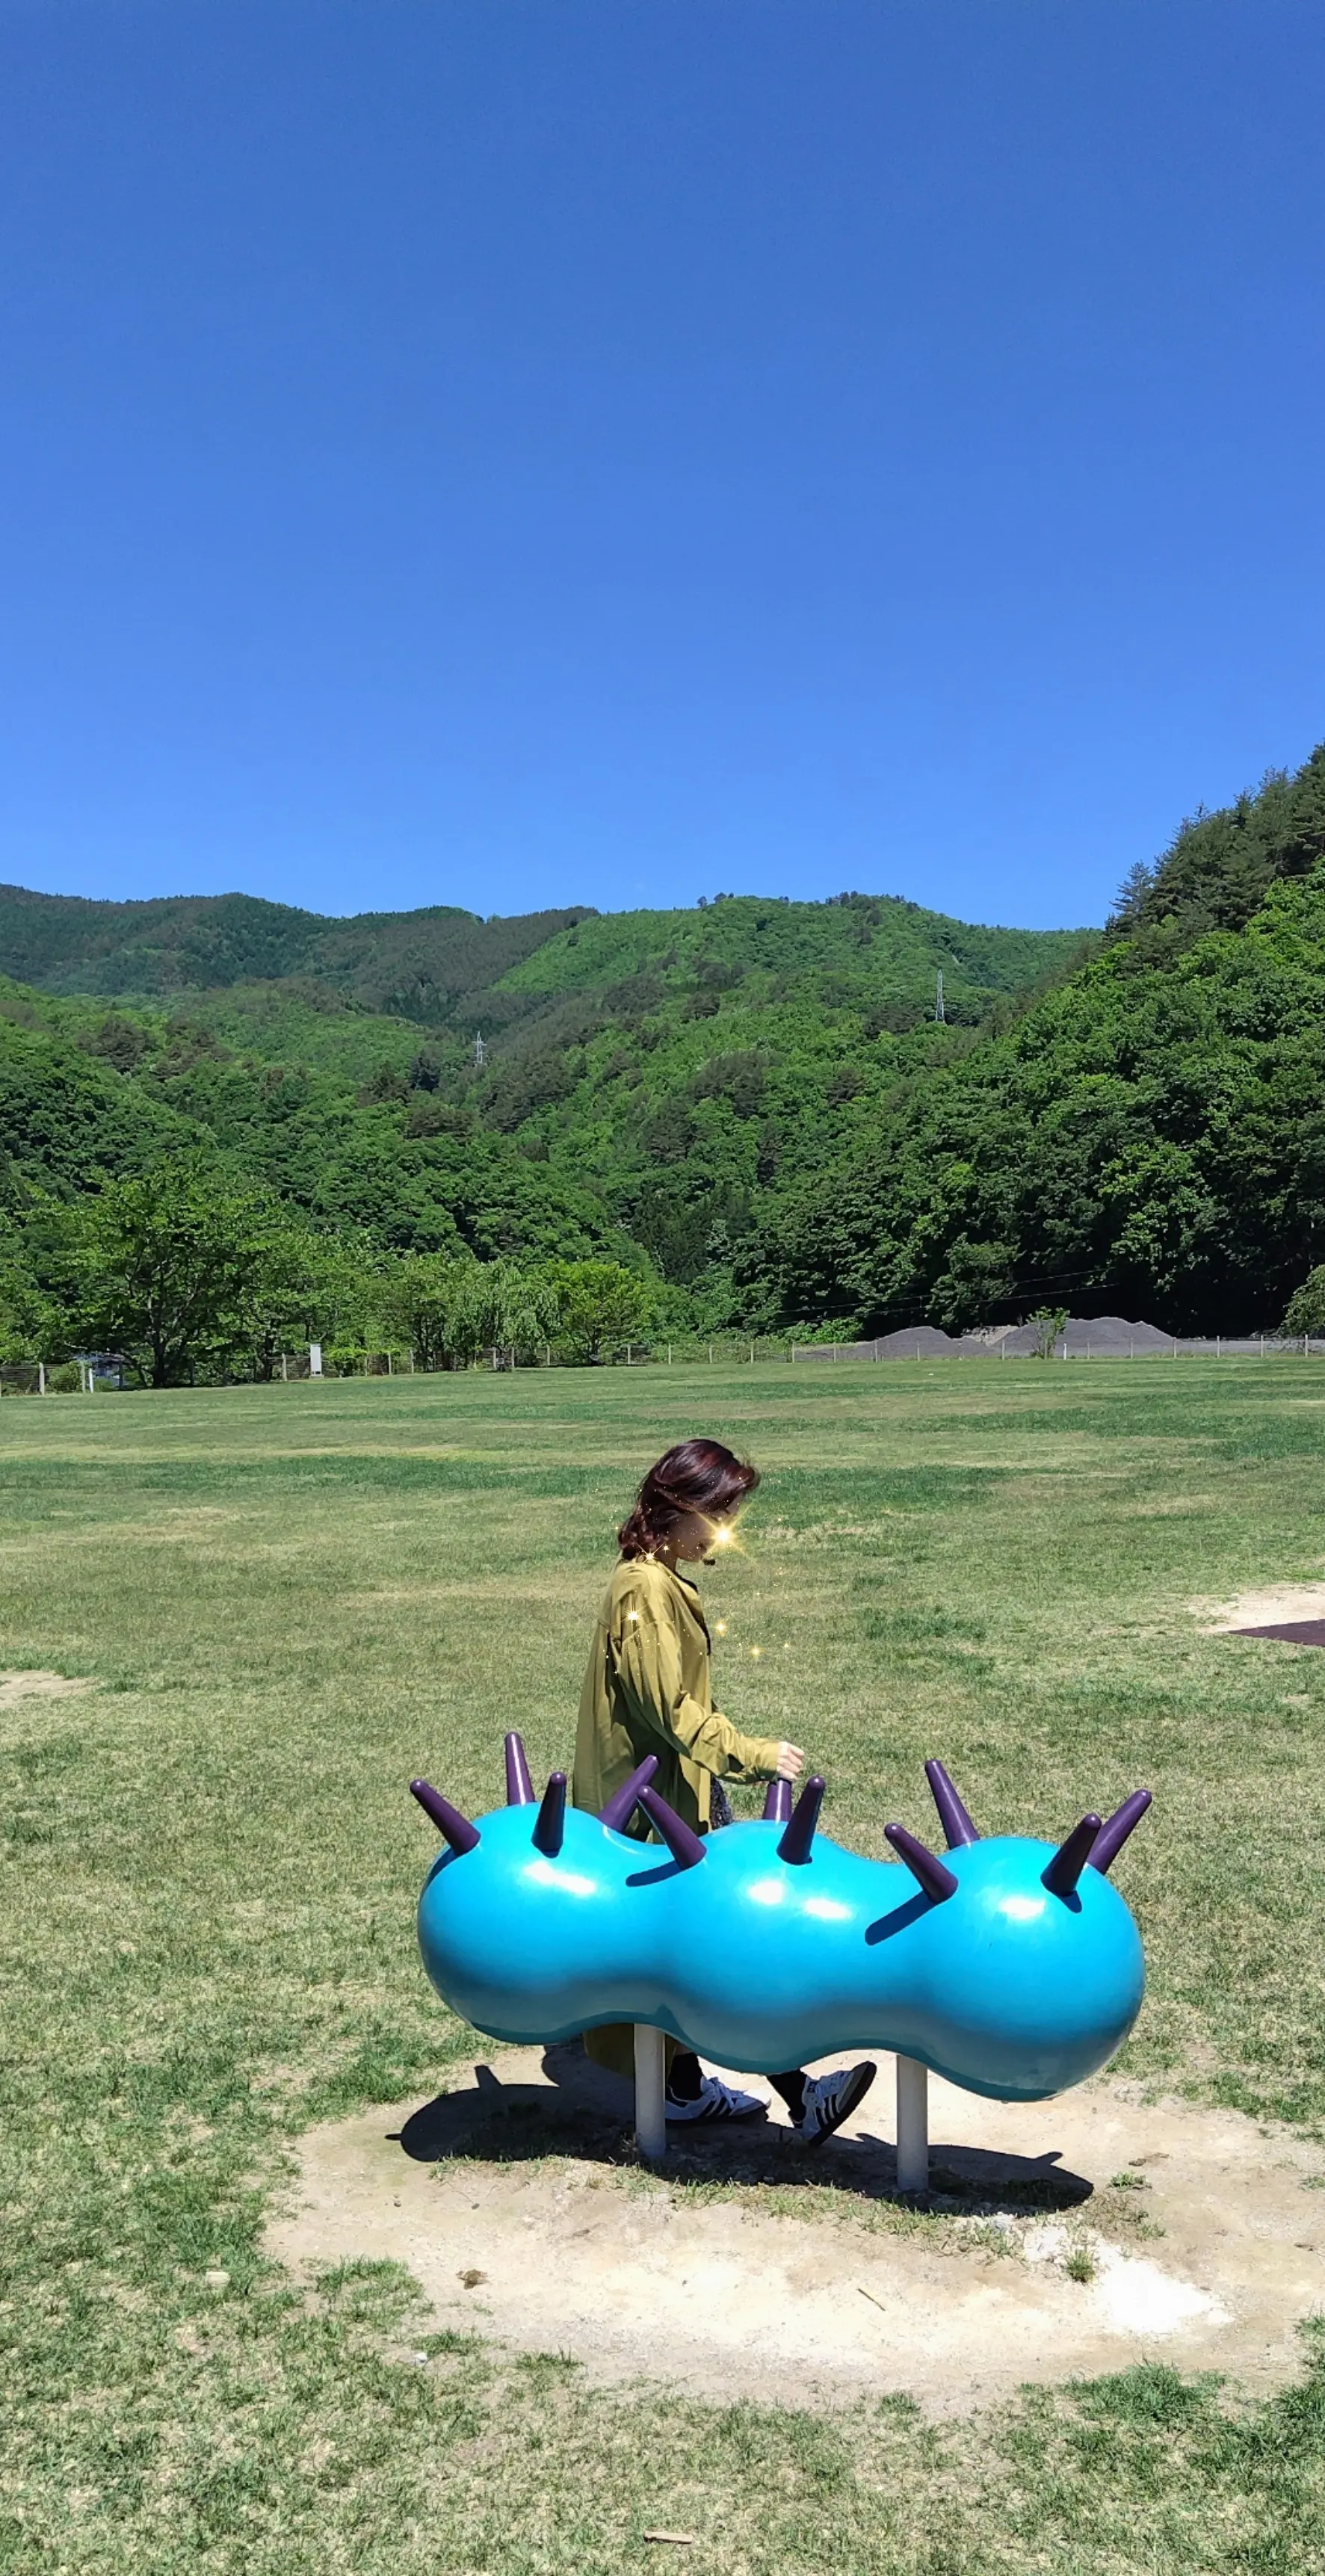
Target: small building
pixel 101 1368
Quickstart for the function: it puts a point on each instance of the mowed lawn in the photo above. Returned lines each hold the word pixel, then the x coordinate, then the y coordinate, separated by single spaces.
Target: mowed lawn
pixel 291 1599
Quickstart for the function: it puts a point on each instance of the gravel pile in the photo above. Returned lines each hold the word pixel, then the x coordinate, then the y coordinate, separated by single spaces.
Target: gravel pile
pixel 1093 1337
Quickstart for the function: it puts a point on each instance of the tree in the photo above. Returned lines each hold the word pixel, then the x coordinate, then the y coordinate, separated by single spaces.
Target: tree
pixel 30 1322
pixel 450 1312
pixel 975 1281
pixel 423 1300
pixel 297 1287
pixel 164 1266
pixel 1049 1322
pixel 502 1307
pixel 600 1305
pixel 1305 1316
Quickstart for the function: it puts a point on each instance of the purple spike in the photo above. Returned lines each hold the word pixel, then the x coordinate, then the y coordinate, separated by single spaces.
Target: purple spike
pixel 684 1846
pixel 798 1840
pixel 777 1802
pixel 519 1786
pixel 1113 1834
pixel 926 1868
pixel 1071 1857
pixel 953 1817
pixel 622 1803
pixel 551 1825
pixel 457 1829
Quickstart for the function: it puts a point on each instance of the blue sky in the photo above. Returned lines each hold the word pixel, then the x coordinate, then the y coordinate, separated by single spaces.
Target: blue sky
pixel 522 452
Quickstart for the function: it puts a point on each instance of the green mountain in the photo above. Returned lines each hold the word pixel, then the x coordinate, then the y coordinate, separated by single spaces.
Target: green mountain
pixel 1150 1139
pixel 419 964
pixel 645 1077
pixel 752 1103
pixel 86 1094
pixel 442 966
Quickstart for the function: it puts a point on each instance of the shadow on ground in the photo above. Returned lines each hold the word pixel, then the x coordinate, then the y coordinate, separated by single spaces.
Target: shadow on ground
pixel 583 2112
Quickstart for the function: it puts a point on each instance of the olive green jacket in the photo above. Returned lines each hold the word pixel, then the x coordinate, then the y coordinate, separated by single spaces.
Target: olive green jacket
pixel 647 1690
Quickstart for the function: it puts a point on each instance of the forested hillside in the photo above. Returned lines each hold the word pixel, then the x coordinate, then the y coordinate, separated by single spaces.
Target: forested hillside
pixel 86 1094
pixel 748 1113
pixel 1220 867
pixel 644 1078
pixel 1150 1138
pixel 420 964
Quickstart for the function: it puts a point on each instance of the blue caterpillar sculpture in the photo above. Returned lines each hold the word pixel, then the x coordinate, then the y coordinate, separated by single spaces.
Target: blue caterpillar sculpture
pixel 1012 1968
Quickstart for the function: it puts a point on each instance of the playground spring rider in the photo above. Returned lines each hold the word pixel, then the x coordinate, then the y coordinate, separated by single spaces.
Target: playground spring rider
pixel 1011 1968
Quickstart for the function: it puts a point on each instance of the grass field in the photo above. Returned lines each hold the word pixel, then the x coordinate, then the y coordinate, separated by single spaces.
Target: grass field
pixel 290 1600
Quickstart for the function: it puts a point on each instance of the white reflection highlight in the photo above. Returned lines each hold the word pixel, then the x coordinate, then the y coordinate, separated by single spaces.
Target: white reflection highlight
pixel 546 1873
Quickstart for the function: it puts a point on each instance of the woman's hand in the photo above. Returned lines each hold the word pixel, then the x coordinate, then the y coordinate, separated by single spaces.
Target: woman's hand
pixel 791 1762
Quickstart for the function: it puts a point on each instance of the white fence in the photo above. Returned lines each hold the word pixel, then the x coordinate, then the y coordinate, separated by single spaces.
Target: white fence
pixel 1105 1339
pixel 1077 1343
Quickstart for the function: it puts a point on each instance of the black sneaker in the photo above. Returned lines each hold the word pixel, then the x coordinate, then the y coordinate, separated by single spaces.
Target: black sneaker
pixel 831 2099
pixel 715 2101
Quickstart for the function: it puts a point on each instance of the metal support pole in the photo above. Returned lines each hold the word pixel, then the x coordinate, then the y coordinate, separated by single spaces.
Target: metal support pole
pixel 650 2084
pixel 912 2124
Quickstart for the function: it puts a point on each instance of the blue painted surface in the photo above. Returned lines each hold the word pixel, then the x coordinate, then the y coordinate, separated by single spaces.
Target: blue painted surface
pixel 1003 1988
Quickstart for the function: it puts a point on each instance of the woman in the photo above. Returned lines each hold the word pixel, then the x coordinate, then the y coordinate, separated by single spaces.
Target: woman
pixel 647 1690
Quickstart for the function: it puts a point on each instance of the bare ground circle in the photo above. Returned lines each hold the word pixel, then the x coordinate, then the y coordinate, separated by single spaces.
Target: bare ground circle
pixel 1269 1604
pixel 1060 2239
pixel 15 1687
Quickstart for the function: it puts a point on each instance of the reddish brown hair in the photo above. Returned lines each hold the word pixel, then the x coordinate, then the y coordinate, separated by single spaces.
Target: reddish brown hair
pixel 696 1476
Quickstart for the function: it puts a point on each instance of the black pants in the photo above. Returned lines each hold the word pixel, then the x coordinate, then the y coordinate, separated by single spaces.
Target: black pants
pixel 685 2076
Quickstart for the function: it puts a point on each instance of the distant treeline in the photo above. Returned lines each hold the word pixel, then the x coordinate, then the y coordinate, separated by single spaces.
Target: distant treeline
pixel 190 1275
pixel 748 1115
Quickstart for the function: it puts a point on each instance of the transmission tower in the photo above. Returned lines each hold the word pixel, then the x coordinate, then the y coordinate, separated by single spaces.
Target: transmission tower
pixel 478 1044
pixel 939 1012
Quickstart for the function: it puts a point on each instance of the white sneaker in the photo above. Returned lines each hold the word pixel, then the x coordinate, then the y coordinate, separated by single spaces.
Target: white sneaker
pixel 831 2099
pixel 716 2101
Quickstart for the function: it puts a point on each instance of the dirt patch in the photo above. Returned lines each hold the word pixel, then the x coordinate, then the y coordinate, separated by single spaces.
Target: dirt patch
pixel 1274 1605
pixel 17 1686
pixel 1061 2238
